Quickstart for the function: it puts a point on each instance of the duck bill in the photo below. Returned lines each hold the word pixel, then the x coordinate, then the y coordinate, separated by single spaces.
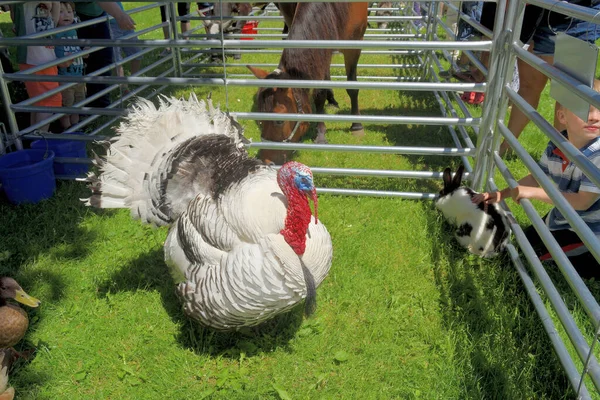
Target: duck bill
pixel 26 299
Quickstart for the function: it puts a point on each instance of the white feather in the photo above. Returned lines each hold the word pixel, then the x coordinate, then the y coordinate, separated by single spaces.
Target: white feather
pixel 232 266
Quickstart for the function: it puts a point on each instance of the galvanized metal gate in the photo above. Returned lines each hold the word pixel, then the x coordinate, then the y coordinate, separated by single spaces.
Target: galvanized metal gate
pixel 433 46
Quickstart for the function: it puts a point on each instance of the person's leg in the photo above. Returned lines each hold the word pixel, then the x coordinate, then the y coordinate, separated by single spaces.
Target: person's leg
pixel 184 9
pixel 68 97
pixel 78 95
pixel 530 89
pixel 38 117
pixel 163 18
pixel 582 260
pixel 98 59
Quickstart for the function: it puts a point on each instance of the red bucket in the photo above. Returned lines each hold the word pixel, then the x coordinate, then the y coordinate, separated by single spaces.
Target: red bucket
pixel 249 28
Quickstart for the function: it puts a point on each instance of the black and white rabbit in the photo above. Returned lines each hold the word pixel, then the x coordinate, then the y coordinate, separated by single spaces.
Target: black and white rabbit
pixel 483 229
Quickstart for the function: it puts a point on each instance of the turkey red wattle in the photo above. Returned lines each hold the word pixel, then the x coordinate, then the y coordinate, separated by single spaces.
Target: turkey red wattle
pixel 298 210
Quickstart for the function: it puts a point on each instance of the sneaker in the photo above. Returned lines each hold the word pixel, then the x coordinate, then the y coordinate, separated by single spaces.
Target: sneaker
pixel 165 52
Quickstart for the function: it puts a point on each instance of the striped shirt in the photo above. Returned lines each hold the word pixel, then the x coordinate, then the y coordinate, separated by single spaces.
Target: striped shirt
pixel 570 179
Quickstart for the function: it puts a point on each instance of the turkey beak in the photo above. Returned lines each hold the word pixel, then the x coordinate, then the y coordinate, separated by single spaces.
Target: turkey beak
pixel 26 299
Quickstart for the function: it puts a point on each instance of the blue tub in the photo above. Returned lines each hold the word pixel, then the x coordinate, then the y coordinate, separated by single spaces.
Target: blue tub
pixel 65 148
pixel 27 176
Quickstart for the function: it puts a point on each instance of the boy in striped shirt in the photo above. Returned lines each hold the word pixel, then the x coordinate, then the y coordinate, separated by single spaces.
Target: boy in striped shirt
pixel 578 190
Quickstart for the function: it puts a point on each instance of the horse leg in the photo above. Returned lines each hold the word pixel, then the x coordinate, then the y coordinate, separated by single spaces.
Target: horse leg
pixel 351 57
pixel 319 97
pixel 330 97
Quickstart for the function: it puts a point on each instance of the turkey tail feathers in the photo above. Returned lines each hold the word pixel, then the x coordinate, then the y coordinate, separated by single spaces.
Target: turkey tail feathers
pixel 152 167
pixel 310 302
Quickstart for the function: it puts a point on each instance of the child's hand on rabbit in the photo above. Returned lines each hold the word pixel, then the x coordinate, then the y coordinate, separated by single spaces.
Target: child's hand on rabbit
pixel 488 197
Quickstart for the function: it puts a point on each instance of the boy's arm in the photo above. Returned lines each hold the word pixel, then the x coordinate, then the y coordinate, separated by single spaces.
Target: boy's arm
pixel 55 12
pixel 123 19
pixel 526 183
pixel 529 189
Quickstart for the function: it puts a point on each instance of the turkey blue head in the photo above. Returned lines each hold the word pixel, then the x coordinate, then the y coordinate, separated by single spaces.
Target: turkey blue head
pixel 296 183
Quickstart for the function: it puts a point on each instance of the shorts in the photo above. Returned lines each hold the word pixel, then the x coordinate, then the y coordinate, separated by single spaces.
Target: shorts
pixel 544 36
pixel 73 95
pixel 582 260
pixel 535 28
pixel 115 33
pixel 531 20
pixel 183 9
pixel 37 88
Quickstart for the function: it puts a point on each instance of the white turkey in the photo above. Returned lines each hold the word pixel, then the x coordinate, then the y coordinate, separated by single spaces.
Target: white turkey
pixel 243 245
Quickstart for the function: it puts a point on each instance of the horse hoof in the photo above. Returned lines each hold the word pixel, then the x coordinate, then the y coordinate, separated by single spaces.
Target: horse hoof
pixel 358 133
pixel 321 141
pixel 333 104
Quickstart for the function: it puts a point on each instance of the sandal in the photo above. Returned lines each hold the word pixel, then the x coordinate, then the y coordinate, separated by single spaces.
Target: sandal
pixel 479 98
pixel 468 97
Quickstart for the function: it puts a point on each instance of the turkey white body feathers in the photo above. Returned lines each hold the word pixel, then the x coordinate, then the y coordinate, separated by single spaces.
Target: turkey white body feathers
pixel 230 247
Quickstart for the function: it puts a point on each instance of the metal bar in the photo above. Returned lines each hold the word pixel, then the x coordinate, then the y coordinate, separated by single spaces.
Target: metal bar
pixel 572 153
pixel 272 44
pixel 378 193
pixel 443 151
pixel 585 92
pixel 577 224
pixel 559 347
pixel 378 173
pixel 282 83
pixel 562 312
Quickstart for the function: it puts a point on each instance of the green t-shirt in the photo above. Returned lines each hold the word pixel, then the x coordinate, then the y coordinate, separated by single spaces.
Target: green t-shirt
pixel 88 8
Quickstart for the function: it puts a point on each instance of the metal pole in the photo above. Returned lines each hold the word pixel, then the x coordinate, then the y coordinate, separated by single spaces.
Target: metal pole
pixel 171 13
pixel 6 102
pixel 500 63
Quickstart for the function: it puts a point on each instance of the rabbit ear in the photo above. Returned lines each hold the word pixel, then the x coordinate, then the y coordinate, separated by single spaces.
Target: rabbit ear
pixel 456 182
pixel 447 178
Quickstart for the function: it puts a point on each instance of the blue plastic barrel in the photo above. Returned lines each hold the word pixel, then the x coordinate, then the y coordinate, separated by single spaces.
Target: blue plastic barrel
pixel 65 148
pixel 27 176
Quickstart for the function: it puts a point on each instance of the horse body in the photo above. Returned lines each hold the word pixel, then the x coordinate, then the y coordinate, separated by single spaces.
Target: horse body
pixel 310 21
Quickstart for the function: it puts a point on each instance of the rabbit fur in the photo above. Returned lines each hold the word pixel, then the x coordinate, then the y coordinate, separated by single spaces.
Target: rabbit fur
pixel 483 229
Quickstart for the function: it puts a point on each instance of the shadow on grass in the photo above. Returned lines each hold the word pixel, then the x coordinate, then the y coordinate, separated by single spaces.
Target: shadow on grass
pixel 501 345
pixel 149 272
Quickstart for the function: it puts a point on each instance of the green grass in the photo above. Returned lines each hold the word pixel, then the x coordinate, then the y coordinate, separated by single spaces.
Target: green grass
pixel 404 313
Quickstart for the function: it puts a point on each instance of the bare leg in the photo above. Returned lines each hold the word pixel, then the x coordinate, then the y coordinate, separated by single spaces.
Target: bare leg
pixel 135 66
pixel 65 121
pixel 39 117
pixel 530 89
pixel 167 35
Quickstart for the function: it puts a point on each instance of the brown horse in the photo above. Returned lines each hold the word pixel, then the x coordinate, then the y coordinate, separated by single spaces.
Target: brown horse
pixel 310 21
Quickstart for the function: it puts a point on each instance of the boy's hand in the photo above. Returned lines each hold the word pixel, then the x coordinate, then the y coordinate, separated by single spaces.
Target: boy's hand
pixel 65 64
pixel 488 198
pixel 125 22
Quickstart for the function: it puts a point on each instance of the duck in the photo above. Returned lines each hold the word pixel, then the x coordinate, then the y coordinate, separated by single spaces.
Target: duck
pixel 13 319
pixel 13 325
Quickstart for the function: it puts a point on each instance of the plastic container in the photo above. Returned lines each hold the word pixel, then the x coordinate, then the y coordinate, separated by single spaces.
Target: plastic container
pixel 27 176
pixel 65 148
pixel 249 28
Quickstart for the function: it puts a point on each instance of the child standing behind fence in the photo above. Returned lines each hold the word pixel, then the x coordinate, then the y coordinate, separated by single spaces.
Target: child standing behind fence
pixel 116 32
pixel 29 18
pixel 574 185
pixel 73 67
